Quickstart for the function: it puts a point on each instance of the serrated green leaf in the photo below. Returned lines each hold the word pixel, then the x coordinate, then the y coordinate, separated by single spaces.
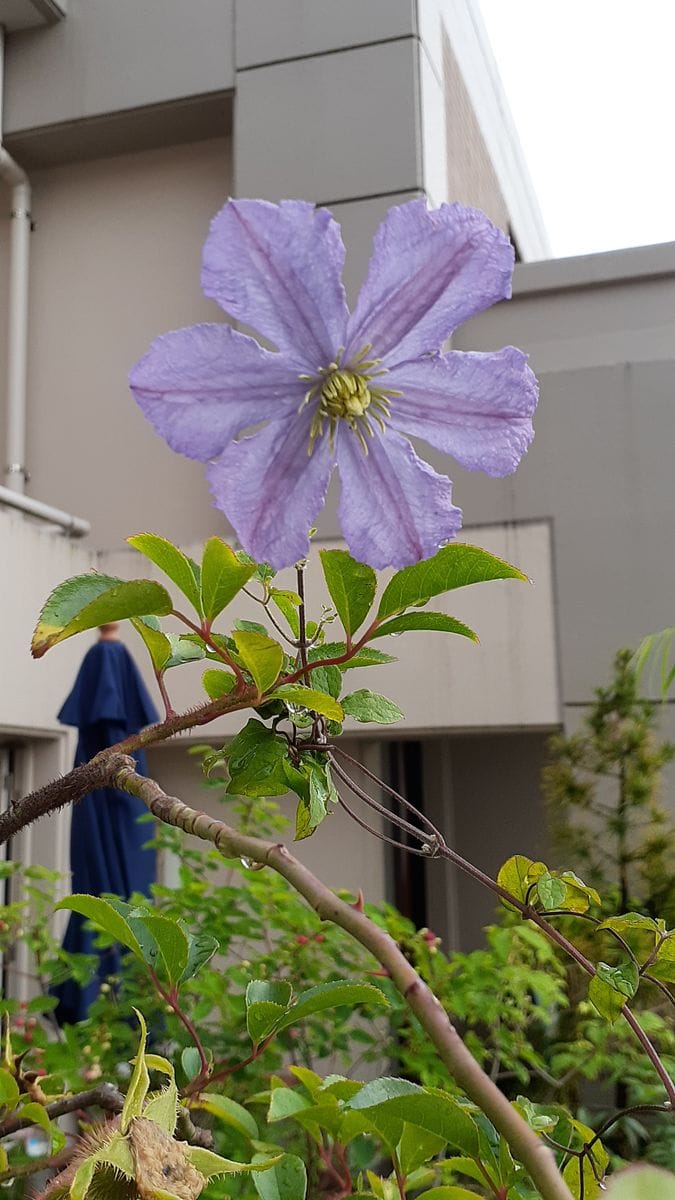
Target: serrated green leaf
pixel 310 698
pixel 370 706
pixel 262 1018
pixel 417 1147
pixel 102 913
pixel 332 995
pixel 190 1061
pixel 367 656
pixel 163 1109
pixel 82 1179
pixel 262 657
pixel 229 1112
pixel 117 1153
pixel 629 921
pixel 184 649
pixel 218 683
pixel 171 940
pixel 179 568
pixel 287 602
pixel 139 1084
pixel 156 642
pixel 201 948
pixel 424 620
pixel 223 575
pixel 210 1164
pixel 396 1100
pixel 275 991
pixel 87 601
pixel 255 760
pixel 551 891
pixel 285 1181
pixel 352 586
pixel 452 567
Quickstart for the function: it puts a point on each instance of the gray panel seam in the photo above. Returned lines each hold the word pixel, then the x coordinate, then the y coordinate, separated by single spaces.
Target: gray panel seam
pixel 278 62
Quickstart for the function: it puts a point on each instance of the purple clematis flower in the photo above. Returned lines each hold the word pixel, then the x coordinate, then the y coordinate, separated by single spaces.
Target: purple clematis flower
pixel 342 388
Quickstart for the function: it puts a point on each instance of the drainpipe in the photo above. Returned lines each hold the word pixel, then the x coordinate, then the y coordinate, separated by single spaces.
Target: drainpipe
pixel 17 336
pixel 16 474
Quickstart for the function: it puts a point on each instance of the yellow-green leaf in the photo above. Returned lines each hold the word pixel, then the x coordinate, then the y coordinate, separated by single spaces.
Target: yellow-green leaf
pixel 262 657
pixel 180 569
pixel 223 575
pixel 86 601
pixel 139 1083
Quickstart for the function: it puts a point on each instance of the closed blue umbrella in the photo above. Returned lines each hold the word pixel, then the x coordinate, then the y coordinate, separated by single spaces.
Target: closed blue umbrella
pixel 109 701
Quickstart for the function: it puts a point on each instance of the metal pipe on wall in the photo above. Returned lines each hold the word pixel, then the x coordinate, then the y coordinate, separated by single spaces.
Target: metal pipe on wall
pixel 17 344
pixel 17 335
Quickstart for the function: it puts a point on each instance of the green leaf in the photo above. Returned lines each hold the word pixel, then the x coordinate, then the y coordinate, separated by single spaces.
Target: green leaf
pixel 287 602
pixel 255 760
pixel 424 620
pixel 82 1179
pixel 514 876
pixel 191 1062
pixel 370 706
pixel 627 922
pixel 448 1193
pixel 184 648
pixel 171 940
pixel 312 782
pixel 139 1083
pixel 201 948
pixel 602 992
pixel 163 1109
pixel 551 891
pixel 285 1181
pixel 180 569
pixel 262 1019
pixel 218 683
pixel 229 1112
pixel 332 995
pixel 272 991
pixel 87 601
pixel 417 1147
pixel 285 1102
pixel 309 698
pixel 209 1164
pixel 452 567
pixel 37 1114
pixel 262 657
pixel 431 1109
pixel 624 978
pixel 223 575
pixel 367 656
pixel 352 586
pixel 641 1183
pixel 157 643
pixel 102 913
pixel 9 1091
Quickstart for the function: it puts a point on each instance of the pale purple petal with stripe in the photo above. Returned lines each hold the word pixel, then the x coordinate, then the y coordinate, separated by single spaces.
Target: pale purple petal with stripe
pixel 278 268
pixel 430 271
pixel 271 489
pixel 200 387
pixel 476 407
pixel 394 509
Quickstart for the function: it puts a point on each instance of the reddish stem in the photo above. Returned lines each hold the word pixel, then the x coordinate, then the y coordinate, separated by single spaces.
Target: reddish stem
pixel 171 998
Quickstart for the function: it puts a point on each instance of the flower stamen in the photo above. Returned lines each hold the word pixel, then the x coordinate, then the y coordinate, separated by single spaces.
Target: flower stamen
pixel 346 393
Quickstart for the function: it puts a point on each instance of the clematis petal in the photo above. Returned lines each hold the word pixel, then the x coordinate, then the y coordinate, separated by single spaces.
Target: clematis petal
pixel 278 268
pixel 394 509
pixel 430 271
pixel 476 407
pixel 200 387
pixel 271 489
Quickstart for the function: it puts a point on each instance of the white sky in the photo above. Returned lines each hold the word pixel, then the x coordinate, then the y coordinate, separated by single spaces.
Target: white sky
pixel 591 86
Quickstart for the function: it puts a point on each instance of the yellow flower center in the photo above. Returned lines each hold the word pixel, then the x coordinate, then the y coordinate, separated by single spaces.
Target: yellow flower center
pixel 347 393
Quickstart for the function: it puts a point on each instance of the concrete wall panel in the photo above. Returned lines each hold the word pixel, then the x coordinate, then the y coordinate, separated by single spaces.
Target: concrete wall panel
pixel 289 29
pixel 110 56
